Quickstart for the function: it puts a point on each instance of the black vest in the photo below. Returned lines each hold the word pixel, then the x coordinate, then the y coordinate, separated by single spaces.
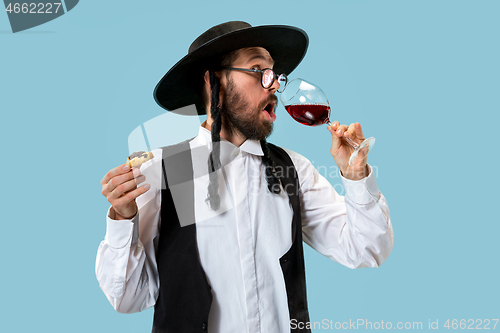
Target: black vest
pixel 185 296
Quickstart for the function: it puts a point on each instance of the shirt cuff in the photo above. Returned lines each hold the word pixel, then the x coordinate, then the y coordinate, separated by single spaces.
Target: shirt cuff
pixel 362 191
pixel 119 233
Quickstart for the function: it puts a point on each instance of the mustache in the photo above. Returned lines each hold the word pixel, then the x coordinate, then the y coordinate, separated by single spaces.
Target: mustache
pixel 270 99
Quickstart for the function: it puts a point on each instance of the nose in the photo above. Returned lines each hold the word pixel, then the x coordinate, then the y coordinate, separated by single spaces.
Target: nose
pixel 275 86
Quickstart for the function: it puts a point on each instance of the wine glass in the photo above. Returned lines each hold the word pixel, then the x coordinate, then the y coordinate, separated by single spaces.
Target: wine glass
pixel 308 105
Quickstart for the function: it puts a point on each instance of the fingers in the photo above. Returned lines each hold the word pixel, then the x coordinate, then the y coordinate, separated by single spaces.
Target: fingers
pixel 352 131
pixel 130 196
pixel 126 199
pixel 121 182
pixel 119 170
pixel 355 131
pixel 126 206
pixel 341 130
pixel 338 129
pixel 336 142
pixel 335 125
pixel 120 179
pixel 119 186
pixel 124 187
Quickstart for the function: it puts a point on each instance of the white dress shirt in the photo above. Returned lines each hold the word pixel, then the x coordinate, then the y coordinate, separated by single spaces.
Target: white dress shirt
pixel 241 243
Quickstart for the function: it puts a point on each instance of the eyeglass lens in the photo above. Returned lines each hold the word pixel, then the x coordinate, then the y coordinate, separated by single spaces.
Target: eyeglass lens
pixel 282 80
pixel 267 78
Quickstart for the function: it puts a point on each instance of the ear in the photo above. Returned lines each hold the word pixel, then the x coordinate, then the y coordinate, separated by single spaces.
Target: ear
pixel 207 77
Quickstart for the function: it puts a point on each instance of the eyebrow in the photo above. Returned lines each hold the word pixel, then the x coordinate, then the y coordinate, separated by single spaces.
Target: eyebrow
pixel 259 56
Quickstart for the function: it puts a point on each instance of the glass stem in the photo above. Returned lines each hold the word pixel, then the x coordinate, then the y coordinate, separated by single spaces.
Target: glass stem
pixel 352 143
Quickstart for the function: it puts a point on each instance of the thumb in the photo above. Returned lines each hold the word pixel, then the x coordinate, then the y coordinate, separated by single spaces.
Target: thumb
pixel 336 141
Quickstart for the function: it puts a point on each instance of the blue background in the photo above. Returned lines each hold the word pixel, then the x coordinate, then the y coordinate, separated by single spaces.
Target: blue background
pixel 423 77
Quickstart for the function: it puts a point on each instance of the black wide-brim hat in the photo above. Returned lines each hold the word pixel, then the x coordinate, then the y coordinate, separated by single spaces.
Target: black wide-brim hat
pixel 181 85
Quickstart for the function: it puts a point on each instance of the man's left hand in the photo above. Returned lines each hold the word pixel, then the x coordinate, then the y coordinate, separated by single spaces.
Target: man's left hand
pixel 341 150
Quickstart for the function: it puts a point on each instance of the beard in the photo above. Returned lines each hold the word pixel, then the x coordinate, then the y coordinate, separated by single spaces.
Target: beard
pixel 238 116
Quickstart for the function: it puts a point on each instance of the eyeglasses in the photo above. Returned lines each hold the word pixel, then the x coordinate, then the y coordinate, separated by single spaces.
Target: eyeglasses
pixel 267 77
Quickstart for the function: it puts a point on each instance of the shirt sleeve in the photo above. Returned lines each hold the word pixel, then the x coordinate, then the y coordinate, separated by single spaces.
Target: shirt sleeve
pixel 126 259
pixel 354 230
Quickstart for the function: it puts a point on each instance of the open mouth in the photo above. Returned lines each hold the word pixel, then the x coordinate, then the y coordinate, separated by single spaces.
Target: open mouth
pixel 269 109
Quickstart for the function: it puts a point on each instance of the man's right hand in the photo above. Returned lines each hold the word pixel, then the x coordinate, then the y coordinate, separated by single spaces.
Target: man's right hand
pixel 119 186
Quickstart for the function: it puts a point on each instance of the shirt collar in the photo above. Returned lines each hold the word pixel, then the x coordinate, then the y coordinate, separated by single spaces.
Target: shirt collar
pixel 250 146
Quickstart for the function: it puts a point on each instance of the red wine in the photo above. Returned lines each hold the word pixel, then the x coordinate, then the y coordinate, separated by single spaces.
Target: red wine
pixel 309 114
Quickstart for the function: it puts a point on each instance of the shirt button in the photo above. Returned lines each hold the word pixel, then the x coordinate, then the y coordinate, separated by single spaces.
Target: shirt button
pixel 204 327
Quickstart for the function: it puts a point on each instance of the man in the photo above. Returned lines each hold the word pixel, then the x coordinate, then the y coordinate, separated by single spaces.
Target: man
pixel 218 247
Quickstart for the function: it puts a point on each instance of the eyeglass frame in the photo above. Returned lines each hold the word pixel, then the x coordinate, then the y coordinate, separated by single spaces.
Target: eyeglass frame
pixel 261 71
